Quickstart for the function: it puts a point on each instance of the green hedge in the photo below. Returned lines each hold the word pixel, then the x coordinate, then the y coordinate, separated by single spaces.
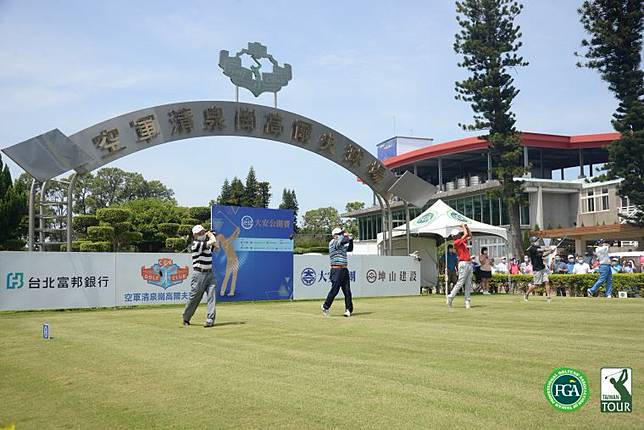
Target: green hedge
pixel 122 227
pixel 576 284
pixel 190 221
pixel 185 230
pixel 169 228
pixel 201 213
pixel 100 233
pixel 319 249
pixel 176 243
pixel 113 215
pixel 96 247
pixel 81 222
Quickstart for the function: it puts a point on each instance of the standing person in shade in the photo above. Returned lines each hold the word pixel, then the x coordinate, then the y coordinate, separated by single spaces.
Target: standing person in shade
pixel 526 266
pixel 581 268
pixel 341 243
pixel 560 267
pixel 570 265
pixel 539 269
pixel 605 270
pixel 464 265
pixel 485 271
pixel 452 270
pixel 202 280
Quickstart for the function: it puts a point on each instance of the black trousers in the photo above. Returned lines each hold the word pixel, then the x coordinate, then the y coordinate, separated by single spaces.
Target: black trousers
pixel 340 280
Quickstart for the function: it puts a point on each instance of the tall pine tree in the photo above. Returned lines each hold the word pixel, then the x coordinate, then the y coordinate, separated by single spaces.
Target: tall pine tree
pixel 13 208
pixel 289 201
pixel 237 193
pixel 615 50
pixel 251 194
pixel 226 192
pixel 488 42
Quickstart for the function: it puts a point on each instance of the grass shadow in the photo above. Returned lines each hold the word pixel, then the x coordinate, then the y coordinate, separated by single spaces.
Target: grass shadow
pixel 230 323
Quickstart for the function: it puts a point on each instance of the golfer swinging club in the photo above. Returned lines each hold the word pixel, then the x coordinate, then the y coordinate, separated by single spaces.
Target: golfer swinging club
pixel 464 265
pixel 202 278
pixel 341 243
pixel 539 269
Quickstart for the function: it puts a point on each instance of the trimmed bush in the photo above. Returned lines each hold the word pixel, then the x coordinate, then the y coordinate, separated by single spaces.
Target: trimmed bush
pixel 113 215
pixel 81 222
pixel 122 227
pixel 184 230
pixel 13 245
pixel 191 221
pixel 100 233
pixel 169 228
pixel 176 243
pixel 96 247
pixel 132 237
pixel 317 249
pixel 576 284
pixel 202 213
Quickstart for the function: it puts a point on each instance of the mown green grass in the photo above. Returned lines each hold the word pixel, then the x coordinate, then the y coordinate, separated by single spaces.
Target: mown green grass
pixel 399 363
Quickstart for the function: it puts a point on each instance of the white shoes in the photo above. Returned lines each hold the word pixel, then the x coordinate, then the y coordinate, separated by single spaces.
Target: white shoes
pixel 467 304
pixel 325 312
pixel 347 313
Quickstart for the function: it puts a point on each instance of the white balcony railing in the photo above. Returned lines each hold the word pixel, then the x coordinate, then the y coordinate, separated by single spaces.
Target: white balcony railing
pixel 626 212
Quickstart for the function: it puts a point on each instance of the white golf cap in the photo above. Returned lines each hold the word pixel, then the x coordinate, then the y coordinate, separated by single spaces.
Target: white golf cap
pixel 197 229
pixel 336 230
pixel 455 232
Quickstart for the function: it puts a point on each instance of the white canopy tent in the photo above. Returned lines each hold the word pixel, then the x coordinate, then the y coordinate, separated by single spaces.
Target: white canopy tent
pixel 439 220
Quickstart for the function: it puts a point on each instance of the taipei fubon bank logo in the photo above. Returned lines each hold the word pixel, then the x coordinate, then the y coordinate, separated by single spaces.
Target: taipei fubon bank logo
pixel 567 389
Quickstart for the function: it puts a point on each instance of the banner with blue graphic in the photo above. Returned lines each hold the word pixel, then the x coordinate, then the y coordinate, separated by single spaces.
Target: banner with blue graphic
pixel 255 258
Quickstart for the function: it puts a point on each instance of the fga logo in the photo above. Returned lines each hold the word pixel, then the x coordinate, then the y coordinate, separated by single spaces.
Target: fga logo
pixel 247 222
pixel 15 280
pixel 567 389
pixel 308 276
pixel 616 389
pixel 165 273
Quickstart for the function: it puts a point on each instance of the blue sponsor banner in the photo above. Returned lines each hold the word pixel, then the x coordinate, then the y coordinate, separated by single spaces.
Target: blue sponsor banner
pixel 255 259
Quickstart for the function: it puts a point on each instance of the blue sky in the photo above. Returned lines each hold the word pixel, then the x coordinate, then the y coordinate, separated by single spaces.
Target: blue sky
pixel 356 66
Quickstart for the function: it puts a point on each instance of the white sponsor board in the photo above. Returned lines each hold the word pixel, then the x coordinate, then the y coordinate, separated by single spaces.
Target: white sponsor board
pixel 389 276
pixel 60 280
pixel 152 279
pixel 370 276
pixel 56 280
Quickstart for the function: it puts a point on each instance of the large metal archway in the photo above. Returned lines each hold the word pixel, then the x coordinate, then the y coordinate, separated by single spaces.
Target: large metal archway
pixel 51 154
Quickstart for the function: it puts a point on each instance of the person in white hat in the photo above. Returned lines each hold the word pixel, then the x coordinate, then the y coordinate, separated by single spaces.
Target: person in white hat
pixel 341 243
pixel 465 268
pixel 202 280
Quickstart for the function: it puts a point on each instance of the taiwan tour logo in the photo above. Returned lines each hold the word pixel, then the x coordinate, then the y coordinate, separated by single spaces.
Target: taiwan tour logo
pixel 165 273
pixel 308 276
pixel 15 280
pixel 567 389
pixel 616 389
pixel 247 222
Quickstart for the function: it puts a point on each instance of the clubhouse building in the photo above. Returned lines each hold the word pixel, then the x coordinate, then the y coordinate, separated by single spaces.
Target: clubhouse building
pixel 563 200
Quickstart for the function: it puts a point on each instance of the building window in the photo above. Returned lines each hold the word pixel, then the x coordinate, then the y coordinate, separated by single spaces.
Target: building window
pixel 604 196
pixel 595 200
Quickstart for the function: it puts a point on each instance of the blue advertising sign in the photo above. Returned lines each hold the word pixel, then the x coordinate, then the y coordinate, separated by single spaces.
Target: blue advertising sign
pixel 255 258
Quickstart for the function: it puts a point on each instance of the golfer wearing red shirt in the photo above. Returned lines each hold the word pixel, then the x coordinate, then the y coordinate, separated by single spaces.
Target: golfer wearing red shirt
pixel 464 265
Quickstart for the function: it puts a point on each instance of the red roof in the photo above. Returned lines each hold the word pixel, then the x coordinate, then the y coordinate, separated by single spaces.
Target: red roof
pixel 538 140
